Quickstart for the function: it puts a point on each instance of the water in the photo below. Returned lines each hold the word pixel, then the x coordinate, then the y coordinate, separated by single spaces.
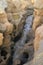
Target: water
pixel 19 45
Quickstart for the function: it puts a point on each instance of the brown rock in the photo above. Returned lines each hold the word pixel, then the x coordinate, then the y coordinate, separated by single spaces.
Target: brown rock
pixel 38 46
pixel 38 18
pixel 2 28
pixel 7 40
pixel 3 16
pixel 36 22
pixel 1 39
pixel 38 4
pixel 9 27
pixel 38 37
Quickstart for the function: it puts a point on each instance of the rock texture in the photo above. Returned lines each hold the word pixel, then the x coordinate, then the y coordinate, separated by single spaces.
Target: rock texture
pixel 38 46
pixel 38 4
pixel 1 39
pixel 21 32
pixel 38 36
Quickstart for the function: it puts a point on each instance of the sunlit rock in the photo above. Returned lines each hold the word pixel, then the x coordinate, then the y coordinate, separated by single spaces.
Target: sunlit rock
pixel 3 16
pixel 1 39
pixel 36 22
pixel 2 28
pixel 38 4
pixel 38 46
pixel 3 4
pixel 38 59
pixel 38 18
pixel 9 27
pixel 22 4
pixel 18 5
pixel 11 8
pixel 38 37
pixel 38 13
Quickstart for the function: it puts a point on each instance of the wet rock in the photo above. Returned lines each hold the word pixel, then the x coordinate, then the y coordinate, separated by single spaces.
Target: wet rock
pixel 20 46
